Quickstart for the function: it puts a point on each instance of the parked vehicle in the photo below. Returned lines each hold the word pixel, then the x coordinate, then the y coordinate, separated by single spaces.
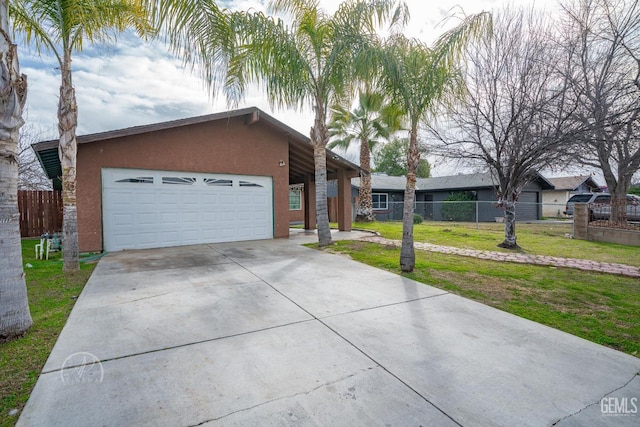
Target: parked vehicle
pixel 600 205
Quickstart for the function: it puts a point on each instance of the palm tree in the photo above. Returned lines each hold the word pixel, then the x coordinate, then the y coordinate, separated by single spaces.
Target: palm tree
pixel 61 27
pixel 15 318
pixel 419 79
pixel 315 59
pixel 369 123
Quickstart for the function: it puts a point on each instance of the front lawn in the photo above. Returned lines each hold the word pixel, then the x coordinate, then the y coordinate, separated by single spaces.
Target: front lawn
pixel 537 239
pixel 601 308
pixel 52 295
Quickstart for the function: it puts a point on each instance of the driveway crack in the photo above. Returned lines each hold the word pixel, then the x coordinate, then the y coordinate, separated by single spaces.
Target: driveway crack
pixel 301 393
pixel 598 401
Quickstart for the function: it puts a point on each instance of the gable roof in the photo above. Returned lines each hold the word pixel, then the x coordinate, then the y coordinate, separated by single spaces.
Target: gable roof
pixel 571 183
pixel 442 183
pixel 300 148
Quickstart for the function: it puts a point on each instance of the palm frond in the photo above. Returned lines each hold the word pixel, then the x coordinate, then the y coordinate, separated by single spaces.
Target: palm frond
pixel 59 26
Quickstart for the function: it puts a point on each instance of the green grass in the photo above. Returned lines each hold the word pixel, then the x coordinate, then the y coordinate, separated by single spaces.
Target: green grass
pixel 601 308
pixel 52 295
pixel 537 239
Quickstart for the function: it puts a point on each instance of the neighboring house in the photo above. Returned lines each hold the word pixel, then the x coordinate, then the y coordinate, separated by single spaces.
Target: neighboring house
pixel 555 200
pixel 215 178
pixel 388 196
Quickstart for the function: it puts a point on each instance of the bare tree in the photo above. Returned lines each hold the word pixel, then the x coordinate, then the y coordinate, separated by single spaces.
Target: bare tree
pixel 30 173
pixel 601 41
pixel 507 121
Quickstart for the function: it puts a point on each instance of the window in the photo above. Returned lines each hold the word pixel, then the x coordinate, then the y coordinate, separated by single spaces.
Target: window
pixel 603 199
pixel 295 200
pixel 138 180
pixel 379 201
pixel 178 180
pixel 249 184
pixel 214 182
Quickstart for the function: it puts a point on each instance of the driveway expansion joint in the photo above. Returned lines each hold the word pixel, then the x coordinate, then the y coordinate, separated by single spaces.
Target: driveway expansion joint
pixel 157 350
pixel 541 260
pixel 388 371
pixel 384 305
pixel 378 364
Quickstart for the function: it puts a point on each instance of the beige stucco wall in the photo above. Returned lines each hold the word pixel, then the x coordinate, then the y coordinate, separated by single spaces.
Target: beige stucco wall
pixel 224 146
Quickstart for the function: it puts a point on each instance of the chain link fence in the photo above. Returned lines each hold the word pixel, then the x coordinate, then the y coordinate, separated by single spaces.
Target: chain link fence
pixel 471 211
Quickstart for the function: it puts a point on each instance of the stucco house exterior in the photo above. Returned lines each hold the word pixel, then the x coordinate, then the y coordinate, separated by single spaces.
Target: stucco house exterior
pixel 388 196
pixel 214 178
pixel 554 200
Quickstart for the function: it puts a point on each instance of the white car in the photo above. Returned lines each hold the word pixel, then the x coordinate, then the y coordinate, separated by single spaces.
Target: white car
pixel 600 205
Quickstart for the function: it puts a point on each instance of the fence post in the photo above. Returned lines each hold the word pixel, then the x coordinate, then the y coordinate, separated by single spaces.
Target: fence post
pixel 581 221
pixel 477 216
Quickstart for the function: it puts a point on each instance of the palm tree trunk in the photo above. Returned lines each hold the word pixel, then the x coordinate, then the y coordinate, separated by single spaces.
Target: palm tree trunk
pixel 364 211
pixel 15 318
pixel 319 139
pixel 407 252
pixel 67 123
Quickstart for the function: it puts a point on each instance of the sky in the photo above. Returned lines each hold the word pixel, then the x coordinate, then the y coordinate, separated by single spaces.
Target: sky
pixel 134 82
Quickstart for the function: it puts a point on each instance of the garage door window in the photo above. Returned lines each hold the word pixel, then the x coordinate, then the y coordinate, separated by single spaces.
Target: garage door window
pixel 138 180
pixel 178 180
pixel 249 184
pixel 214 182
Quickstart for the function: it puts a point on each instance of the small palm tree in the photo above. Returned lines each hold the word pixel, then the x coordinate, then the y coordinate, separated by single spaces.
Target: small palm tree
pixel 368 124
pixel 15 318
pixel 61 27
pixel 419 79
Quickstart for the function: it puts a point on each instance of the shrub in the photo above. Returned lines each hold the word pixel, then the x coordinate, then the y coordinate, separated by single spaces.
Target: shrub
pixel 458 210
pixel 417 219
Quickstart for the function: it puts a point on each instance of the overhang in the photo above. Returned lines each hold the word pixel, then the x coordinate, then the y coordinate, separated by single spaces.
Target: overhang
pixel 301 160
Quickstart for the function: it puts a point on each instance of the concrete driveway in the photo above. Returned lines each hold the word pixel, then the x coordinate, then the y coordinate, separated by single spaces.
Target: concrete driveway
pixel 273 333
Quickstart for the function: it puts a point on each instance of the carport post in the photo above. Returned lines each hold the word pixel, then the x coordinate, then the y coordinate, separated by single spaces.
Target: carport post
pixel 344 201
pixel 309 202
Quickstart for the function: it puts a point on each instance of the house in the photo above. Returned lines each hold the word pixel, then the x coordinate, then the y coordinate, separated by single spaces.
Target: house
pixel 555 200
pixel 214 178
pixel 388 196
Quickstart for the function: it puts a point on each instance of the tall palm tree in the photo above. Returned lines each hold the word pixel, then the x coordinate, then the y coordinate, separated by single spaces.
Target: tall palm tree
pixel 369 123
pixel 61 27
pixel 420 78
pixel 15 318
pixel 313 60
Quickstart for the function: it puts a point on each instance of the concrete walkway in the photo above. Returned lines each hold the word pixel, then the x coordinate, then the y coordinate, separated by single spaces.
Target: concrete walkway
pixel 273 333
pixel 581 264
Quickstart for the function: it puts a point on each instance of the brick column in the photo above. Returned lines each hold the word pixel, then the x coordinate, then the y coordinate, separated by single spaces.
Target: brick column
pixel 344 201
pixel 581 221
pixel 309 202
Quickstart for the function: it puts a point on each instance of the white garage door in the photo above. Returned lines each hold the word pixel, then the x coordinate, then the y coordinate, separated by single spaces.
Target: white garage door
pixel 151 209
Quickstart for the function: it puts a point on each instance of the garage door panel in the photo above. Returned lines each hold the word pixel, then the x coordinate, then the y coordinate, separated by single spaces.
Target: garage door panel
pixel 145 198
pixel 145 209
pixel 150 218
pixel 169 218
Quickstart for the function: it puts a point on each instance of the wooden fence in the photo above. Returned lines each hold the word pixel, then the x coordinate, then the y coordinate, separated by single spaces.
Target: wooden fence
pixel 40 212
